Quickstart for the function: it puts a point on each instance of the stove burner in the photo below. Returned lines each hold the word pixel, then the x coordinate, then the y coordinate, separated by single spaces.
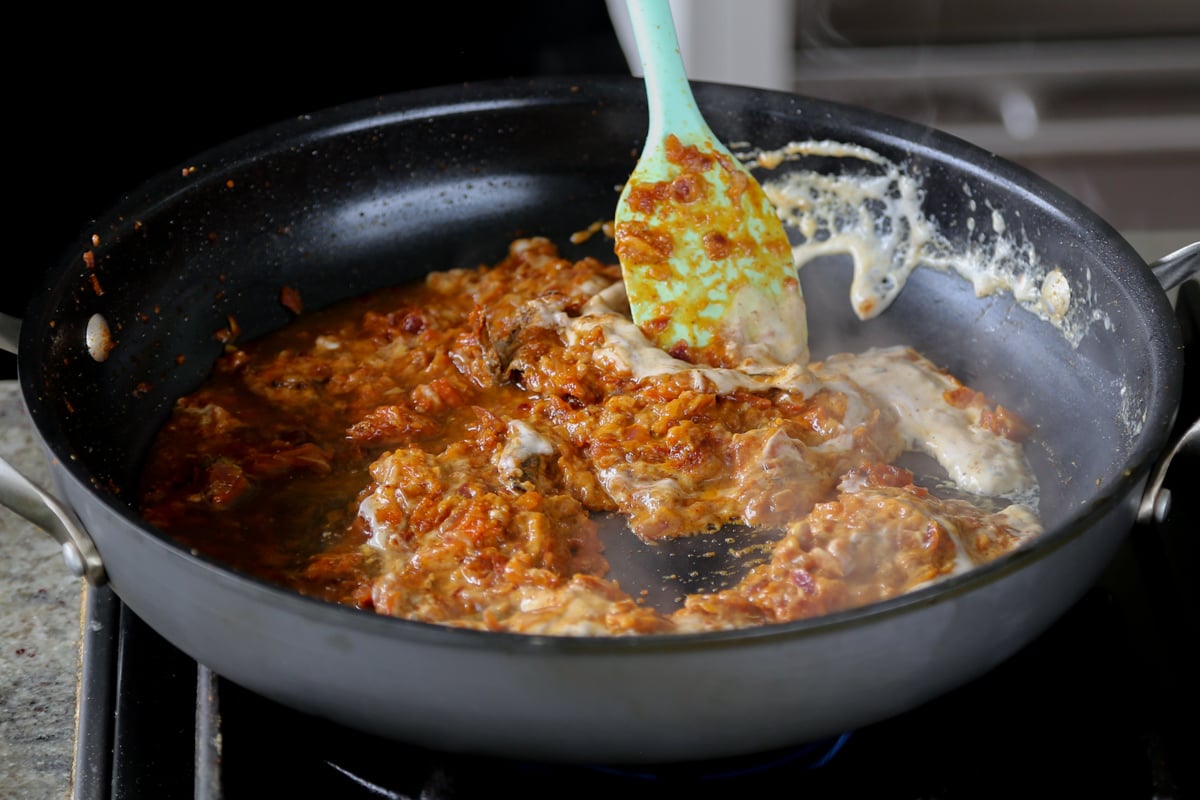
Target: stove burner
pixel 359 765
pixel 813 755
pixel 526 777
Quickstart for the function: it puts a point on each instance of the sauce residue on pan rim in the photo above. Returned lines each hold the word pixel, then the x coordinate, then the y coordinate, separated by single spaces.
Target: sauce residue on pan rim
pixel 872 209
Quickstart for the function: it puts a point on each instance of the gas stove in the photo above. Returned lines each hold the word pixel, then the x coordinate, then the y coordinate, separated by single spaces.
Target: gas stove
pixel 1100 705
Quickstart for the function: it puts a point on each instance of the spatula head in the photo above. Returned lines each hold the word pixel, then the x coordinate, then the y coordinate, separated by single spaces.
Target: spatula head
pixel 706 260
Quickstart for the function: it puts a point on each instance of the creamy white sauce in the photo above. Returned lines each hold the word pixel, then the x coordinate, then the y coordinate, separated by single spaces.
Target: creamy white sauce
pixel 873 212
pixel 876 218
pixel 1022 523
pixel 976 459
pixel 1022 519
pixel 383 535
pixel 522 443
pixel 627 349
pixel 962 558
pixel 327 343
pixel 767 327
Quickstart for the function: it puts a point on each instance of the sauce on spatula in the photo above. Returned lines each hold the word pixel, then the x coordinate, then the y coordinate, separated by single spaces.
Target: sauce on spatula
pixel 706 261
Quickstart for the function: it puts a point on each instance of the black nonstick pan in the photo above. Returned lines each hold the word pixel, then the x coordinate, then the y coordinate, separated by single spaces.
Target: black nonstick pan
pixel 349 199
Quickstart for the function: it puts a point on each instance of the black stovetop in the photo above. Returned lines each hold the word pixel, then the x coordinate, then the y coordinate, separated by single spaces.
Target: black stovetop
pixel 1101 705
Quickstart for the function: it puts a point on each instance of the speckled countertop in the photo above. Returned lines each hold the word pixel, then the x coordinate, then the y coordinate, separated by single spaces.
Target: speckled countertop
pixel 40 611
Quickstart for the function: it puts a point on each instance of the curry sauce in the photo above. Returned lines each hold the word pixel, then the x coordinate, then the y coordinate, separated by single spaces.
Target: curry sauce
pixel 440 451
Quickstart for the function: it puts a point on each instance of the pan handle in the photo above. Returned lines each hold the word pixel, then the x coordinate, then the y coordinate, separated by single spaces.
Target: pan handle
pixel 23 496
pixel 10 333
pixel 1175 268
pixel 1156 500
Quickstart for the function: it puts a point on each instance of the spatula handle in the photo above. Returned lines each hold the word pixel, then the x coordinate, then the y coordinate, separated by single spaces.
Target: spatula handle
pixel 672 106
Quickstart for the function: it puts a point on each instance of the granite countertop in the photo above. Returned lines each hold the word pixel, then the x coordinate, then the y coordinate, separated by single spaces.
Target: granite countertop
pixel 40 613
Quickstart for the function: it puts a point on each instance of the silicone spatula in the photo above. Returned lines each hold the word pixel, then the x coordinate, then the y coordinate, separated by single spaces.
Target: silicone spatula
pixel 705 258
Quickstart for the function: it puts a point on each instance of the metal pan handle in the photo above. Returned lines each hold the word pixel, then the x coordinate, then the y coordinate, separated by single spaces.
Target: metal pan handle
pixel 1178 266
pixel 24 497
pixel 35 504
pixel 10 333
pixel 1156 500
pixel 1175 268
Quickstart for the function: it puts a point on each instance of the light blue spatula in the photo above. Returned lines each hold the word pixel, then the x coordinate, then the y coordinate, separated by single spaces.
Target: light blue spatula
pixel 706 261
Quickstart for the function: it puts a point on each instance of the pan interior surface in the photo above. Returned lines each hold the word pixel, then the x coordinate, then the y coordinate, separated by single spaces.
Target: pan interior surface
pixel 382 192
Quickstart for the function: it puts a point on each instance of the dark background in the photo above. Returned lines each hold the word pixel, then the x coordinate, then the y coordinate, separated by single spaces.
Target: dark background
pixel 104 102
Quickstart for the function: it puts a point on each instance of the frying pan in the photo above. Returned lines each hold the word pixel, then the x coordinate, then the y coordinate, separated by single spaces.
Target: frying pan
pixel 356 197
